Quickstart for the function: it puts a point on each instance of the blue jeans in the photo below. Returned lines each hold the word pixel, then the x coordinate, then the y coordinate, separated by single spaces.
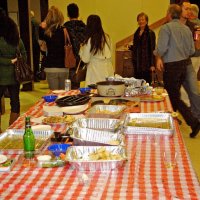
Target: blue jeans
pixel 14 96
pixel 191 87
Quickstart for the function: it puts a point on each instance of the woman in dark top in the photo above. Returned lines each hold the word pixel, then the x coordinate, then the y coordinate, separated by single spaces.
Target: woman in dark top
pixel 9 42
pixel 52 33
pixel 143 46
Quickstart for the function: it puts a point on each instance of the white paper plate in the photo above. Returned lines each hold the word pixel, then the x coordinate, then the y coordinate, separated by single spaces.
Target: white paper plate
pixel 37 120
pixel 74 109
pixel 58 91
pixel 52 111
pixel 41 128
pixel 3 158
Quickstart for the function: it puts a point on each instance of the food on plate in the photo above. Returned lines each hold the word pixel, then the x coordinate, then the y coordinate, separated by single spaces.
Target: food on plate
pixel 107 112
pixel 103 154
pixel 158 97
pixel 58 119
pixel 124 102
pixel 151 122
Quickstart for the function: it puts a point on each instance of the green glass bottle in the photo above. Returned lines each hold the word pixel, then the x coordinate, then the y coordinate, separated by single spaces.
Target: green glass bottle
pixel 29 139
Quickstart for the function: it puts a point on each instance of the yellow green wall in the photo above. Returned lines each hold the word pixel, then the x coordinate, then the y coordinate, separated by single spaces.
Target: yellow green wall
pixel 118 16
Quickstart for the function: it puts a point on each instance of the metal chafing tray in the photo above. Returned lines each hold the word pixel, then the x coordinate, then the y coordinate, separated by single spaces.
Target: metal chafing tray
pixel 157 119
pixel 78 157
pixel 106 111
pixel 12 140
pixel 91 137
pixel 98 123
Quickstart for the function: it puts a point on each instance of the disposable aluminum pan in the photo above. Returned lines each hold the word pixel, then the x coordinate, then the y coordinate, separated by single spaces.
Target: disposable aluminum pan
pixel 78 157
pixel 98 123
pixel 12 140
pixel 91 137
pixel 156 118
pixel 106 111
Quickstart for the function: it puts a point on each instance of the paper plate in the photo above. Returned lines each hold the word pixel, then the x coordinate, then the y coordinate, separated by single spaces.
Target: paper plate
pixel 3 158
pixel 41 127
pixel 52 111
pixel 58 91
pixel 74 109
pixel 37 120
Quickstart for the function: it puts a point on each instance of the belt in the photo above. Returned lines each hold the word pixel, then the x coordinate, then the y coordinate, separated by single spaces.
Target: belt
pixel 179 63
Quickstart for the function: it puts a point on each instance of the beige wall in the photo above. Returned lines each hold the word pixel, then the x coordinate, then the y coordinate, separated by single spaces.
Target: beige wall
pixel 118 16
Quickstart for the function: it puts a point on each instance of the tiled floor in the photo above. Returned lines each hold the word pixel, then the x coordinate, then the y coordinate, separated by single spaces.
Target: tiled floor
pixel 29 98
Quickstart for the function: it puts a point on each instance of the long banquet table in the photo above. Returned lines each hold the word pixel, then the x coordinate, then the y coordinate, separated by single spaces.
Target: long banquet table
pixel 144 175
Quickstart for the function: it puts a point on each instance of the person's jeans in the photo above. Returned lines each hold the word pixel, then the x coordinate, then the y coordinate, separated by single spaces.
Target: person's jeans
pixel 191 87
pixel 14 96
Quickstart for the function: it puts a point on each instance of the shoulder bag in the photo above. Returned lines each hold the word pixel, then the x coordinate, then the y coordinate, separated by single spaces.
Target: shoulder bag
pixel 70 60
pixel 80 73
pixel 23 72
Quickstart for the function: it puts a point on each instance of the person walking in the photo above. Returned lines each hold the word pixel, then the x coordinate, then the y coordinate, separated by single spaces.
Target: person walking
pixel 76 29
pixel 96 51
pixel 9 42
pixel 52 33
pixel 190 83
pixel 144 41
pixel 174 47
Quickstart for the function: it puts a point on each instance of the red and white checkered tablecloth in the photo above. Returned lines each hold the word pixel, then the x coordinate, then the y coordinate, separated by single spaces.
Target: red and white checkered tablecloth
pixel 144 175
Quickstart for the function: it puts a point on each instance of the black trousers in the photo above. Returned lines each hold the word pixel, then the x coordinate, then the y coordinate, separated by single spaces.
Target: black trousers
pixel 173 77
pixel 146 75
pixel 14 96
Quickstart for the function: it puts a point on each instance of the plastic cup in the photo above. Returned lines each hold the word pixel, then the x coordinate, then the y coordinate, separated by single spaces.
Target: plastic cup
pixel 170 159
pixel 159 90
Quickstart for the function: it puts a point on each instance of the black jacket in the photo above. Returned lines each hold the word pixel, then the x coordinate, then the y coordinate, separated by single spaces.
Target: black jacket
pixel 143 47
pixel 55 48
pixel 76 30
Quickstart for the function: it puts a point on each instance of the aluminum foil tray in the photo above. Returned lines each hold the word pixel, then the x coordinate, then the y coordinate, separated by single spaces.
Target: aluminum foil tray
pixel 12 140
pixel 78 157
pixel 91 137
pixel 154 118
pixel 98 123
pixel 106 111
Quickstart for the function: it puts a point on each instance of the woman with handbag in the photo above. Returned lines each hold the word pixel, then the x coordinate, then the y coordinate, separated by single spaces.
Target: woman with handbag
pixel 9 42
pixel 52 33
pixel 96 52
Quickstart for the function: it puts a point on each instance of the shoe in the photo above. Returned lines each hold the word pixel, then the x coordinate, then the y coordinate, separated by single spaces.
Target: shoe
pixel 27 87
pixel 195 130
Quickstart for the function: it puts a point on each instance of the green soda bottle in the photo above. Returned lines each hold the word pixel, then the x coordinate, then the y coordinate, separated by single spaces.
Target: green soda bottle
pixel 29 139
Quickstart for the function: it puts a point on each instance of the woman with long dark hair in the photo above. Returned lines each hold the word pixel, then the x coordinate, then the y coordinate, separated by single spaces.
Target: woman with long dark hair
pixel 9 42
pixel 96 51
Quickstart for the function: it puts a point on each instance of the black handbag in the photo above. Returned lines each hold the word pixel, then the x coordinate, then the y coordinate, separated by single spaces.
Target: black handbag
pixel 80 73
pixel 23 72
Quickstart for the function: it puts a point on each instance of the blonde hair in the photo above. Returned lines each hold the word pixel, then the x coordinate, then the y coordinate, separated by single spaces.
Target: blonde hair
pixel 195 10
pixel 53 20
